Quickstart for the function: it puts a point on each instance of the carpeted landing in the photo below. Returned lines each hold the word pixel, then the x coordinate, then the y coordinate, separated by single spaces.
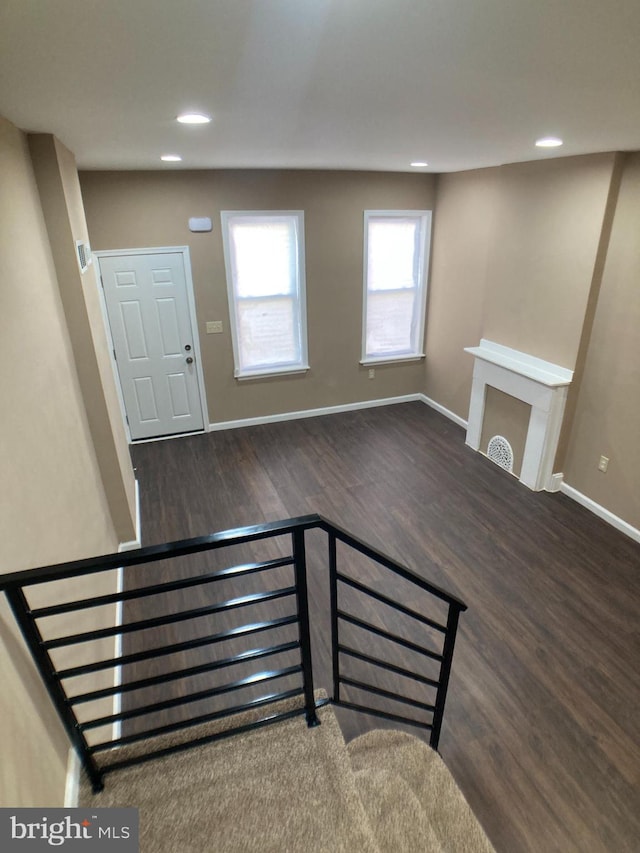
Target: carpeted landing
pixel 286 787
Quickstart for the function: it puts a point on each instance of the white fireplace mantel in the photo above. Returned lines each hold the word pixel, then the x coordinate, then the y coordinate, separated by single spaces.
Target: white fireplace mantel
pixel 539 383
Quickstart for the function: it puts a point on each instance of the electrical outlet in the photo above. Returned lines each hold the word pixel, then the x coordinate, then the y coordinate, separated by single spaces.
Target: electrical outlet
pixel 603 464
pixel 214 327
pixel 372 373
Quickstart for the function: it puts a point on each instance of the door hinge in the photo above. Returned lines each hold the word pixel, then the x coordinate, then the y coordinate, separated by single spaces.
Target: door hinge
pixel 102 282
pixel 126 417
pixel 115 356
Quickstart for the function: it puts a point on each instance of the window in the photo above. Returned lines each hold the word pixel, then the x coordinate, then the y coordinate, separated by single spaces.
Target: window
pixel 264 259
pixel 396 259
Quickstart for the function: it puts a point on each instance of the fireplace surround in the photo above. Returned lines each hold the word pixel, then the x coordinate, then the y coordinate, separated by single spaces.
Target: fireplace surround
pixel 541 384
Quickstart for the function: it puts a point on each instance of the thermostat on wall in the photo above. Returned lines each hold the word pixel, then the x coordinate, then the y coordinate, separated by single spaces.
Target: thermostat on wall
pixel 199 223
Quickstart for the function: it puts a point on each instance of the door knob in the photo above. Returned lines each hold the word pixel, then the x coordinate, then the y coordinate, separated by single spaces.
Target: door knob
pixel 189 360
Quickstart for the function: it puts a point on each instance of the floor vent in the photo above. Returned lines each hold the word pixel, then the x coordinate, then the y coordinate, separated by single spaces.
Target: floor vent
pixel 499 451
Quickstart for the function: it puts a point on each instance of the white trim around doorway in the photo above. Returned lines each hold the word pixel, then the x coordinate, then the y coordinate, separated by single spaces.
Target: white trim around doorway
pixel 193 318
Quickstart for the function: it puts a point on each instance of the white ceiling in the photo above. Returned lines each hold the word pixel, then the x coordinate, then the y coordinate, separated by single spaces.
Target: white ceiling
pixel 327 84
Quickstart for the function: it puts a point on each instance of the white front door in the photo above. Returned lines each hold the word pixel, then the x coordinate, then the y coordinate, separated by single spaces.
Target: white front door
pixel 147 304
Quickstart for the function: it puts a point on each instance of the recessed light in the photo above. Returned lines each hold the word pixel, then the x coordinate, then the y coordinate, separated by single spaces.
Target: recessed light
pixel 548 142
pixel 171 158
pixel 194 118
pixel 419 164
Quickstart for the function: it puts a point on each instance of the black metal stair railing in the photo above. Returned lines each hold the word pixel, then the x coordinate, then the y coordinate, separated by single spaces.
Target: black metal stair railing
pixel 431 712
pixel 59 680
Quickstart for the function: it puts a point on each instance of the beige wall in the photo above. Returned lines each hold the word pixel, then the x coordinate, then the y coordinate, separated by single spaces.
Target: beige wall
pixel 59 188
pixel 33 754
pixel 514 257
pixel 462 239
pixel 590 313
pixel 146 209
pixel 52 504
pixel 607 416
pixel 547 220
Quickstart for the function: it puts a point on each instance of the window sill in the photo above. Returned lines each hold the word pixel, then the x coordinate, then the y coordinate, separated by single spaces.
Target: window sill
pixel 271 373
pixel 392 359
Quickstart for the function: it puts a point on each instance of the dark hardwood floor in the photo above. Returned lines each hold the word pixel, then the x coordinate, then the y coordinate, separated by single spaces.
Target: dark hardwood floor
pixel 542 726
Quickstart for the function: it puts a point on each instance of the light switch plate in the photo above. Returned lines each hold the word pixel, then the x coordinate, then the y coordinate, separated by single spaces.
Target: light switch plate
pixel 214 327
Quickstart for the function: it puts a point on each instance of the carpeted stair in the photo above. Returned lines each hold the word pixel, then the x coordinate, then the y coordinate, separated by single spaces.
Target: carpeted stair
pixel 412 800
pixel 396 816
pixel 285 788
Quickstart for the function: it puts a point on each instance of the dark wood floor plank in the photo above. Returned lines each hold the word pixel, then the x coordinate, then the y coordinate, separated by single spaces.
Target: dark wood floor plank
pixel 542 729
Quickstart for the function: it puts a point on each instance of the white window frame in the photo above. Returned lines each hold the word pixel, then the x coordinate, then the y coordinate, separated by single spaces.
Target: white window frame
pixel 415 354
pixel 300 301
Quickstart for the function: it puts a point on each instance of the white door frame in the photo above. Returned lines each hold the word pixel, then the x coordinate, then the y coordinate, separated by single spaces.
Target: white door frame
pixel 193 317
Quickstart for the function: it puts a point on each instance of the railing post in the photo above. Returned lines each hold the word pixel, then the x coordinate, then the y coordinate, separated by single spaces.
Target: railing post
pixel 445 672
pixel 34 641
pixel 333 587
pixel 302 596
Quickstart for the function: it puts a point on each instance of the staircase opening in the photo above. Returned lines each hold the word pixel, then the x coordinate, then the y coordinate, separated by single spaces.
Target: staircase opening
pixel 252 617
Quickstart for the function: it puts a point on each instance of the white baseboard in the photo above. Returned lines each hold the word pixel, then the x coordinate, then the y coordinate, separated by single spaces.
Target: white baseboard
pixel 157 438
pixel 72 784
pixel 313 413
pixel 73 762
pixel 137 542
pixel 334 410
pixel 116 729
pixel 555 483
pixel 117 675
pixel 446 412
pixel 601 512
